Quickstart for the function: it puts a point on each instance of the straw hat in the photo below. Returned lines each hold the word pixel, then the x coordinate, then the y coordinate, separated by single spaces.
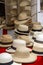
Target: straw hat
pixel 22 18
pixel 37 27
pixel 16 43
pixel 27 8
pixel 22 30
pixel 38 48
pixel 6 59
pixel 28 39
pixel 6 41
pixel 23 55
pixel 24 3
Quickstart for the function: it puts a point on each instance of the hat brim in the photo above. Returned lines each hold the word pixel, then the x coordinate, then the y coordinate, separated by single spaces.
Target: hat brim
pixel 21 22
pixel 16 63
pixel 16 31
pixel 10 50
pixel 1 26
pixel 30 45
pixel 5 45
pixel 30 59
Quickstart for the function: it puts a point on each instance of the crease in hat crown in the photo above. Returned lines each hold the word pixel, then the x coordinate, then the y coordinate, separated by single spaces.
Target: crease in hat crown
pixel 5 58
pixel 23 27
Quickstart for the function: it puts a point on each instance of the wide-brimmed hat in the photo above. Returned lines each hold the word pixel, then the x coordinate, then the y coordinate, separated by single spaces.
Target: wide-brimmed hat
pixel 23 55
pixel 22 18
pixel 6 59
pixel 16 43
pixel 22 30
pixel 38 48
pixel 6 41
pixel 28 39
pixel 24 3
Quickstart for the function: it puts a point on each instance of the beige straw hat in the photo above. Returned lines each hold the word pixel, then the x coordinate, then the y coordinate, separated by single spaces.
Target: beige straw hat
pixel 6 41
pixel 22 30
pixel 28 39
pixel 22 18
pixel 22 55
pixel 6 59
pixel 16 43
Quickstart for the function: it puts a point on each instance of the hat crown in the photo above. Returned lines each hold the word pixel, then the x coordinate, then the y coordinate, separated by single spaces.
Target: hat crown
pixel 22 52
pixel 22 16
pixel 19 42
pixel 23 27
pixel 5 58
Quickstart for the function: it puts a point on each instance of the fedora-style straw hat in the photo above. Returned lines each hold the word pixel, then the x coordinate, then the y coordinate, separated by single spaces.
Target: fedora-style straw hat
pixel 22 30
pixel 23 55
pixel 6 41
pixel 22 18
pixel 16 43
pixel 6 59
pixel 38 48
pixel 28 39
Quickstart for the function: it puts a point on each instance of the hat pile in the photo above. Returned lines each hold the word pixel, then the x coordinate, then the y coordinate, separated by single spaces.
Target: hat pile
pixel 38 44
pixel 6 40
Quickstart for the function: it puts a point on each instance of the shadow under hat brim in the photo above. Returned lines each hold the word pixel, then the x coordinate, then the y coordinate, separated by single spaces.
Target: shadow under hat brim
pixel 30 59
pixel 20 33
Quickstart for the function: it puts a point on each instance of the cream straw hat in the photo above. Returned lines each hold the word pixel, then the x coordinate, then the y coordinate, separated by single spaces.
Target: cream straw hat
pixel 22 55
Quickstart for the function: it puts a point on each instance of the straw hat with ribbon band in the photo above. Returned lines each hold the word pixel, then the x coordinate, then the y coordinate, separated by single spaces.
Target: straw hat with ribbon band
pixel 38 48
pixel 24 3
pixel 22 30
pixel 24 56
pixel 29 41
pixel 17 43
pixel 6 59
pixel 6 41
pixel 37 27
pixel 22 18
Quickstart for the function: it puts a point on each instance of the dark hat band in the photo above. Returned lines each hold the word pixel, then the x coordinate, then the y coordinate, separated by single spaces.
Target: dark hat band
pixel 9 63
pixel 36 30
pixel 21 33
pixel 13 47
pixel 37 52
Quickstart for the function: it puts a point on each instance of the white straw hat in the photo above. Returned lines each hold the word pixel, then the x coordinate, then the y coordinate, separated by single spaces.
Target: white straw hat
pixel 22 55
pixel 22 18
pixel 24 3
pixel 6 59
pixel 28 39
pixel 16 43
pixel 6 41
pixel 22 30
pixel 38 48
